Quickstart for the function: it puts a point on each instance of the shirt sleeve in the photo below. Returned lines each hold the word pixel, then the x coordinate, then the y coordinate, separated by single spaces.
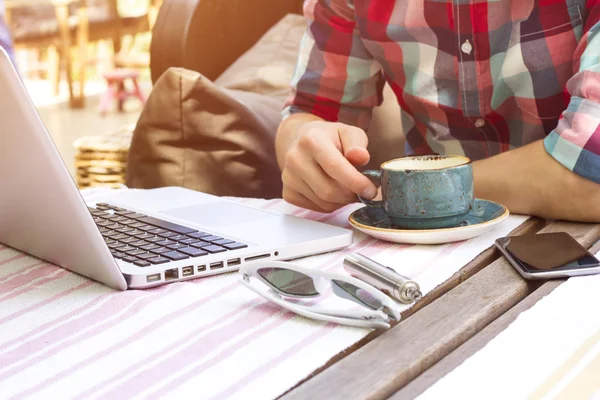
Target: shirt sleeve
pixel 336 78
pixel 575 143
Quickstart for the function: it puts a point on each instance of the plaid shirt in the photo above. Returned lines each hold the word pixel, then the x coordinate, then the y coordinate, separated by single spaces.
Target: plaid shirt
pixel 472 77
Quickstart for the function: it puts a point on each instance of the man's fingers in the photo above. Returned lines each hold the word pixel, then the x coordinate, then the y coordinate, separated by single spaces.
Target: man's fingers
pixel 351 137
pixel 339 168
pixel 303 174
pixel 299 200
pixel 298 184
pixel 319 159
pixel 357 156
pixel 325 187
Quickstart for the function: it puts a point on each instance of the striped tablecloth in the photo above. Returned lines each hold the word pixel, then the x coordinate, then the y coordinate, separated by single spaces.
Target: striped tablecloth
pixel 63 336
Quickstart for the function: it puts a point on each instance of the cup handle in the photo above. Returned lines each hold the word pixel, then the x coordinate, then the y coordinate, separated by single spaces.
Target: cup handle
pixel 375 176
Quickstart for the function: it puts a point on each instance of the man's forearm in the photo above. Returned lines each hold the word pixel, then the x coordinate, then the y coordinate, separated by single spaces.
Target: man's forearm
pixel 529 181
pixel 288 133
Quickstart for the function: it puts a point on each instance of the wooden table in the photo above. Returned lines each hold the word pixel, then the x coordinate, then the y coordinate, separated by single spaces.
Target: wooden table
pixel 449 325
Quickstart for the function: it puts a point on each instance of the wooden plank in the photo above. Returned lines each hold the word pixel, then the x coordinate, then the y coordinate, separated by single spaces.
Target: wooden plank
pixel 477 264
pixel 383 366
pixel 454 359
pixel 477 342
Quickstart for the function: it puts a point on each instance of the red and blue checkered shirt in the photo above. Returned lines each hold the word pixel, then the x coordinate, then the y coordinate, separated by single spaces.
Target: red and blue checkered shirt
pixel 472 77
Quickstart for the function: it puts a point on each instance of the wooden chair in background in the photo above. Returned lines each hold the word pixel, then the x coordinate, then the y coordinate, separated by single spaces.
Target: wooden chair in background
pixel 67 27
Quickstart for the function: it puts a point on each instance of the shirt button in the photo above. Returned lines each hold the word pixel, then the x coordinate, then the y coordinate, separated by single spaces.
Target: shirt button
pixel 479 123
pixel 466 47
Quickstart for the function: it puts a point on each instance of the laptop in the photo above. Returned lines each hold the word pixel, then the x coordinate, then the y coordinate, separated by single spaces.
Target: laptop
pixel 134 238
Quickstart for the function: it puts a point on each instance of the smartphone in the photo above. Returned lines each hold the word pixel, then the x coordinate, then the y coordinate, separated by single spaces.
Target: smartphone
pixel 548 256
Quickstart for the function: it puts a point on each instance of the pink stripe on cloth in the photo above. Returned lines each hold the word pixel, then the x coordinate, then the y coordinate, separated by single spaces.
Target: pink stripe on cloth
pixel 50 324
pixel 446 251
pixel 35 285
pixel 23 271
pixel 299 211
pixel 72 330
pixel 334 214
pixel 38 305
pixel 131 339
pixel 179 364
pixel 192 336
pixel 340 255
pixel 319 216
pixel 313 215
pixel 322 217
pixel 371 248
pixel 26 275
pixel 283 357
pixel 210 342
pixel 270 204
pixel 13 258
pixel 4 248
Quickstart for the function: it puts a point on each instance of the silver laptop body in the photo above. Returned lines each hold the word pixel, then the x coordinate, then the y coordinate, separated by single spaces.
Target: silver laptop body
pixel 43 214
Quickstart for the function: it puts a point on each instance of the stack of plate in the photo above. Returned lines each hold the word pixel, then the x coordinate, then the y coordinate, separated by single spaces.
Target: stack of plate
pixel 101 161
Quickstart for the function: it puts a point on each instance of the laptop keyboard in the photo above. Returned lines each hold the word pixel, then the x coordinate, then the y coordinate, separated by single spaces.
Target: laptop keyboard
pixel 145 241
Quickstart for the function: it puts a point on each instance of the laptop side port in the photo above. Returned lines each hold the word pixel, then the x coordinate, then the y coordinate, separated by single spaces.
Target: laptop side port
pixel 171 274
pixel 257 257
pixel 201 268
pixel 235 261
pixel 187 271
pixel 153 278
pixel 216 265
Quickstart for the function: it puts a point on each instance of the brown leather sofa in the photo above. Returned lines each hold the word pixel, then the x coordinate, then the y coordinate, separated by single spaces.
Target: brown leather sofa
pixel 221 72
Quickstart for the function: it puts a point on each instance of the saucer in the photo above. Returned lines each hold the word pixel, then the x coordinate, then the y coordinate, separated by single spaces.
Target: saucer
pixel 375 222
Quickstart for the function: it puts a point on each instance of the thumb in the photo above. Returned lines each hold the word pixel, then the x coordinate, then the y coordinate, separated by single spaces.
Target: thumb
pixel 354 143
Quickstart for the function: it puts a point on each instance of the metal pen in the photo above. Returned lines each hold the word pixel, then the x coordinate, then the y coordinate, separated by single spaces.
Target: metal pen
pixel 383 278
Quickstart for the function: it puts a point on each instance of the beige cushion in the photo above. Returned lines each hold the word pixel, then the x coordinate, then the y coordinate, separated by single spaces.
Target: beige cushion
pixel 195 134
pixel 219 137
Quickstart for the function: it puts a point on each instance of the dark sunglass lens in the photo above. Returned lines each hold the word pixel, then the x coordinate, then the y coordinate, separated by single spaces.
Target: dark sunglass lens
pixel 289 282
pixel 349 291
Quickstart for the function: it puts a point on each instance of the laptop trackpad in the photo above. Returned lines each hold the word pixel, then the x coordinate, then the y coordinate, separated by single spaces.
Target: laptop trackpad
pixel 219 214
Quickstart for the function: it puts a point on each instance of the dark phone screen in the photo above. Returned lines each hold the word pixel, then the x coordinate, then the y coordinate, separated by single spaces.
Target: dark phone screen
pixel 550 251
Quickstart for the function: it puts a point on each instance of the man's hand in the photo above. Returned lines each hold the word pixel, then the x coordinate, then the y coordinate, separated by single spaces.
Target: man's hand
pixel 318 162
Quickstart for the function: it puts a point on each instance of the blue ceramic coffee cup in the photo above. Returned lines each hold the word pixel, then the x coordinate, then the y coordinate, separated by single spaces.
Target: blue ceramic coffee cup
pixel 424 192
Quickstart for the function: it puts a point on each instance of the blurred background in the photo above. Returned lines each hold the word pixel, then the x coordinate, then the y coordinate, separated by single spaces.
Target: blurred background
pixel 85 64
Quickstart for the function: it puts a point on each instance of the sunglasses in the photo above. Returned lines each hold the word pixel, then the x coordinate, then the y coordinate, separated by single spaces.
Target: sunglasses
pixel 320 295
